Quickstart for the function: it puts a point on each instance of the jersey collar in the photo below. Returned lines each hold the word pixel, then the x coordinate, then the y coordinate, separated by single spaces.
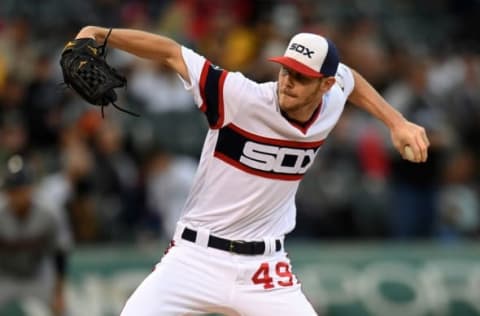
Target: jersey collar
pixel 303 126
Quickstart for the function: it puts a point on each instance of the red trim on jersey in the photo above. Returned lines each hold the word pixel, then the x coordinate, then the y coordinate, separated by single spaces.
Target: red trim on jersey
pixel 264 174
pixel 212 78
pixel 303 127
pixel 203 80
pixel 221 111
pixel 274 141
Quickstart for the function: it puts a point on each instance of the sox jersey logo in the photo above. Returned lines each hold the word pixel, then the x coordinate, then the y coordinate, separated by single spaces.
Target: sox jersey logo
pixel 253 157
pixel 261 156
pixel 273 158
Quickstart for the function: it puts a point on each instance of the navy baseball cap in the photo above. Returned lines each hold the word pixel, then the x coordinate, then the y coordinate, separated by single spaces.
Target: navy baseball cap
pixel 17 174
pixel 311 55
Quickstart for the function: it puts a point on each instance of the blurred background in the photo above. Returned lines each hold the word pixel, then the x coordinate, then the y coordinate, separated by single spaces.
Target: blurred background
pixel 375 234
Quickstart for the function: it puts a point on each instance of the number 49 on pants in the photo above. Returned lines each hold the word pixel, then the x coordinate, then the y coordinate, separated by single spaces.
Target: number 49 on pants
pixel 282 270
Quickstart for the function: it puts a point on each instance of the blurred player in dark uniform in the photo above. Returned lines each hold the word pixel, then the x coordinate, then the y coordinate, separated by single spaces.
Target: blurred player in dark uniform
pixel 32 250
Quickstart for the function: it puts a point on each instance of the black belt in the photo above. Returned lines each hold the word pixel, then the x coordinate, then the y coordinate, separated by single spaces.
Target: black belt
pixel 236 246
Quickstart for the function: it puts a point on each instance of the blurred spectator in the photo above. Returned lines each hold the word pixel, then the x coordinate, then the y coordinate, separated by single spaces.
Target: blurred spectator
pixel 159 89
pixel 68 191
pixel 168 181
pixel 459 215
pixel 465 16
pixel 42 105
pixel 463 108
pixel 13 137
pixel 414 188
pixel 204 15
pixel 115 179
pixel 225 39
pixel 272 44
pixel 17 49
pixel 458 202
pixel 325 196
pixel 13 126
pixel 12 97
pixel 371 204
pixel 361 46
pixel 109 11
pixel 32 246
pixel 3 73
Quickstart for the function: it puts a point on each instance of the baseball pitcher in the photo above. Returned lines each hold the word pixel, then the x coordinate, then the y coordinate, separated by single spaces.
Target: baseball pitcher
pixel 227 254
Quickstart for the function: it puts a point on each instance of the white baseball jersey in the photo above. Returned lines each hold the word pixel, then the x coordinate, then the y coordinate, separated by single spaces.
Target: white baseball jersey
pixel 253 157
pixel 252 162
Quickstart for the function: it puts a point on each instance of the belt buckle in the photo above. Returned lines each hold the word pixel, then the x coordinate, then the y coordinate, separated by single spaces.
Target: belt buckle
pixel 231 245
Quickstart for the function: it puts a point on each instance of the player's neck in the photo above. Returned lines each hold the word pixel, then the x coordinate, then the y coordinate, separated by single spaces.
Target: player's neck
pixel 301 116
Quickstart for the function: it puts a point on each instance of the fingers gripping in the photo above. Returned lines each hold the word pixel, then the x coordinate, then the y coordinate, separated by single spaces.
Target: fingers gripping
pixel 418 143
pixel 411 141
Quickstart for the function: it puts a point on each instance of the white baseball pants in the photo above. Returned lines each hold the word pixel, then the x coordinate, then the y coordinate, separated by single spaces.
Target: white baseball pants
pixel 194 280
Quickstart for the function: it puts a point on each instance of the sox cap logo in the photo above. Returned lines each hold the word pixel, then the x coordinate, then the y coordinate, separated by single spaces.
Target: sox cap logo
pixel 311 55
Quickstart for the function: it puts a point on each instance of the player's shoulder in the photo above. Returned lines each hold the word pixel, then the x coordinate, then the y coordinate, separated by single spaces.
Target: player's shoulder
pixel 240 87
pixel 237 86
pixel 344 78
pixel 343 74
pixel 238 78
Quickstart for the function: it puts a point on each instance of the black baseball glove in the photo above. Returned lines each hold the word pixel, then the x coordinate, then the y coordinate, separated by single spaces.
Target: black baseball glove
pixel 86 71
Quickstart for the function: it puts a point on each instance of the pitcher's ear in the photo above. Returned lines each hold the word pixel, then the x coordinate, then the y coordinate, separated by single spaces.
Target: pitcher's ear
pixel 328 82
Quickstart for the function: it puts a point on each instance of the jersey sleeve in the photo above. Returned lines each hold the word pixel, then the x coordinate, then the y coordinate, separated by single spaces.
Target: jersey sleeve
pixel 344 79
pixel 207 83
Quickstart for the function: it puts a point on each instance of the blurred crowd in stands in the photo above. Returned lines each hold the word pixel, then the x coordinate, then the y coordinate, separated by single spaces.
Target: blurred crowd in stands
pixel 125 179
